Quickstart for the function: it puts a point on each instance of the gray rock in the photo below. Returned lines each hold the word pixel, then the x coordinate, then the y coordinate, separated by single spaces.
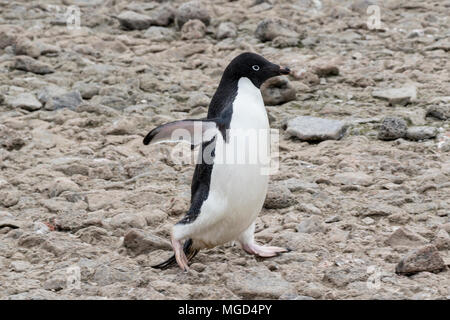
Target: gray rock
pixel 226 30
pixel 441 112
pixel 394 96
pixel 403 237
pixel 311 225
pixel 379 209
pixel 47 92
pixel 87 90
pixel 24 46
pixel 278 197
pixel 25 101
pixel 421 133
pixel 271 28
pixel 341 277
pixel 163 15
pixel 442 240
pixel 159 34
pixel 295 185
pixel 20 266
pixel 69 100
pixel 426 258
pixel 258 283
pixel 392 128
pixel 277 91
pixel 198 99
pixel 29 64
pixel 356 178
pixel 193 29
pixel 309 128
pixel 105 275
pixel 130 20
pixel 59 185
pixel 326 69
pixel 192 10
pixel 138 242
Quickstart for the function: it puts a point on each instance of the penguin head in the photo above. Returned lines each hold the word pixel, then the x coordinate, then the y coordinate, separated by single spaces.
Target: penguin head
pixel 254 67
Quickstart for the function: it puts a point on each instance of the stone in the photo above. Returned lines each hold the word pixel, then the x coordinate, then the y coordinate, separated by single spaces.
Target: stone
pixel 193 29
pixel 29 64
pixel 357 178
pixel 93 235
pixel 278 197
pixel 159 34
pixel 311 225
pixel 106 275
pixel 313 129
pixel 379 209
pixel 226 30
pixel 20 266
pixel 130 20
pixel 59 185
pixel 442 240
pixel 425 258
pixel 326 69
pixel 121 127
pixel 24 46
pixel 70 100
pixel 25 101
pixel 192 10
pixel 397 96
pixel 341 277
pixel 128 220
pixel 277 91
pixel 403 237
pixel 392 128
pixel 138 242
pixel 9 139
pixel 421 133
pixel 258 283
pixel 198 99
pixel 271 28
pixel 87 90
pixel 163 15
pixel 441 112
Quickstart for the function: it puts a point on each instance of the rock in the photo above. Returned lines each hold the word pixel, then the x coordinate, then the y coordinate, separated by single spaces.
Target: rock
pixel 25 101
pixel 443 44
pixel 341 277
pixel 394 96
pixel 441 112
pixel 226 30
pixel 421 133
pixel 198 99
pixel 69 100
pixel 308 128
pixel 442 240
pixel 277 91
pixel 28 64
pixel 46 93
pixel 24 46
pixel 379 209
pixel 121 127
pixel 163 15
pixel 20 266
pixel 426 258
pixel 128 220
pixel 258 283
pixel 138 242
pixel 311 225
pixel 9 198
pixel 278 197
pixel 356 178
pixel 87 90
pixel 309 208
pixel 106 275
pixel 93 235
pixel 392 128
pixel 295 185
pixel 192 10
pixel 9 139
pixel 130 20
pixel 326 69
pixel 403 237
pixel 59 185
pixel 284 42
pixel 159 34
pixel 193 29
pixel 271 28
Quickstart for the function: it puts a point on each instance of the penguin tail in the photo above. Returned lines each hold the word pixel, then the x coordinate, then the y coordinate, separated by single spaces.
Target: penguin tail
pixel 189 251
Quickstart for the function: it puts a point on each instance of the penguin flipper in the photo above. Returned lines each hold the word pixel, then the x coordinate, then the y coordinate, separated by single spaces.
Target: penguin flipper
pixel 188 250
pixel 194 131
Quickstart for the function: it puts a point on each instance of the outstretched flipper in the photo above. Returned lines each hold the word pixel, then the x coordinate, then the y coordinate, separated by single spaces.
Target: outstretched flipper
pixel 188 251
pixel 194 132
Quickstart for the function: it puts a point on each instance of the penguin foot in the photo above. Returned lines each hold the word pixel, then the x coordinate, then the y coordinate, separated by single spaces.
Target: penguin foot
pixel 263 251
pixel 180 256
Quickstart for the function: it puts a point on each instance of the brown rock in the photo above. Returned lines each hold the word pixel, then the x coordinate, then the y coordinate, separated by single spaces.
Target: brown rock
pixel 426 258
pixel 138 242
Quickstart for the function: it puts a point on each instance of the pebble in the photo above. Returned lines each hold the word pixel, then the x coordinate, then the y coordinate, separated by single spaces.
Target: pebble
pixel 397 96
pixel 193 29
pixel 271 28
pixel 226 30
pixel 392 128
pixel 69 100
pixel 421 133
pixel 356 178
pixel 29 64
pixel 313 129
pixel 278 197
pixel 276 91
pixel 425 258
pixel 26 101
pixel 403 237
pixel 192 10
pixel 311 225
pixel 138 242
pixel 130 20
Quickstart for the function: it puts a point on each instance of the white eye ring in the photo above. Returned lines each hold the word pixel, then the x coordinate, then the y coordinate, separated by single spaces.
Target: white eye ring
pixel 255 67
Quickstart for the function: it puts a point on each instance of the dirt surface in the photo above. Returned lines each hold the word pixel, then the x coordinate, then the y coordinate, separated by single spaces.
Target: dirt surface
pixel 82 198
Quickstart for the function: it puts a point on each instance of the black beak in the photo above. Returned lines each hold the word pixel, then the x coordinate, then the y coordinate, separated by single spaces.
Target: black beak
pixel 285 70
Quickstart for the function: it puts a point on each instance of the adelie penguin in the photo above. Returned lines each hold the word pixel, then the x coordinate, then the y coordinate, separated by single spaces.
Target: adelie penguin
pixel 226 196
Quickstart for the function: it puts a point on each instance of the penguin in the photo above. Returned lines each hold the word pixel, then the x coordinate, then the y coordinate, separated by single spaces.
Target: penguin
pixel 226 196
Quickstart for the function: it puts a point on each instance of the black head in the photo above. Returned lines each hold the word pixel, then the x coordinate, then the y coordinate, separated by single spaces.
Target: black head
pixel 254 67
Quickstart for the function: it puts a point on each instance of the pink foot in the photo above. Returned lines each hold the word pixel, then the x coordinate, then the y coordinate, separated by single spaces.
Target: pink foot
pixel 263 251
pixel 179 254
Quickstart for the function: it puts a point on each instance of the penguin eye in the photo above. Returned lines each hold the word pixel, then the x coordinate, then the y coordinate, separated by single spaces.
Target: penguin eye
pixel 255 67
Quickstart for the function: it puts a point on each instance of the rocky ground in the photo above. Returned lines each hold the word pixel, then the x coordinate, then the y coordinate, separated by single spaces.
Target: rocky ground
pixel 362 194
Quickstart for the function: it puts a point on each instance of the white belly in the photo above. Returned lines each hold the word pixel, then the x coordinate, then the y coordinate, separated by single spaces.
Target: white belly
pixel 238 188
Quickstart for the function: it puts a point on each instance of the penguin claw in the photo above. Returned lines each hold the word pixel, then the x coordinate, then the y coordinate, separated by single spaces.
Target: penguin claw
pixel 180 256
pixel 263 251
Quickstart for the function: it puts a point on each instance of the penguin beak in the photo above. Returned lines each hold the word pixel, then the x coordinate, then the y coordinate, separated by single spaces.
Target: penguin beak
pixel 284 70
